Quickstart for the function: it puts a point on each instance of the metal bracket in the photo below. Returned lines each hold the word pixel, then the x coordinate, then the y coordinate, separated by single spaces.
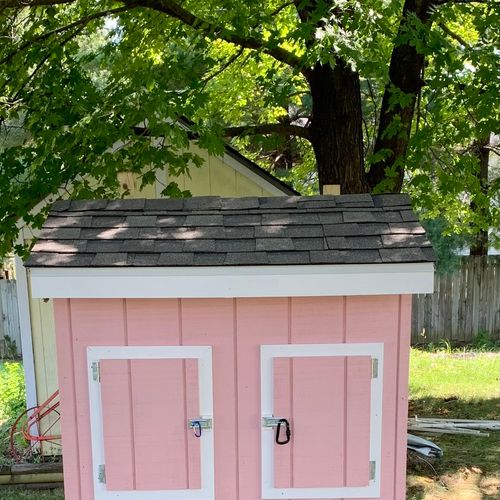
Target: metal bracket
pixel 204 423
pixel 374 367
pixel 101 473
pixel 270 421
pixel 96 372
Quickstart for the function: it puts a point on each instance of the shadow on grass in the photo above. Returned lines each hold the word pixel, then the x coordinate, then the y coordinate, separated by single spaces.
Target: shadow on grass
pixel 470 466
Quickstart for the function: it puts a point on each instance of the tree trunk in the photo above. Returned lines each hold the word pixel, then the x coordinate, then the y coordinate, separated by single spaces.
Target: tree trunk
pixel 336 127
pixel 405 72
pixel 480 245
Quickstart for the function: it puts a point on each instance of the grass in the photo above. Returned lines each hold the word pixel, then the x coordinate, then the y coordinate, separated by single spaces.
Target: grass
pixel 456 384
pixel 31 495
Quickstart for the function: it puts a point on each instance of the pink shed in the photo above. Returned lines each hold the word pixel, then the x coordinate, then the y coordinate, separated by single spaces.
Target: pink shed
pixel 229 350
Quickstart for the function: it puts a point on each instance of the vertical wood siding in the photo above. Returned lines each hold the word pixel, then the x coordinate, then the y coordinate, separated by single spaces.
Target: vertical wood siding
pixel 464 303
pixel 9 319
pixel 235 328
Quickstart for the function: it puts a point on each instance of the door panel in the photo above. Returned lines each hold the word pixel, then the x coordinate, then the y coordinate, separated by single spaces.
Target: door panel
pixel 331 396
pixel 140 407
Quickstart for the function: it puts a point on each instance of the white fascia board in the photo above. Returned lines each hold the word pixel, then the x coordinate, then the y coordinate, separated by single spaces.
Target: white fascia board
pixel 241 281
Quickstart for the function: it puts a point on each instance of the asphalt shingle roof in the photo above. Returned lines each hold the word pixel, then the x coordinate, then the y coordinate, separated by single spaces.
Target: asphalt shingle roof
pixel 213 231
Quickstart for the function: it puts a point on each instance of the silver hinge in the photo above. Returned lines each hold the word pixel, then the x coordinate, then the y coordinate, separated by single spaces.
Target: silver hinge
pixel 96 372
pixel 373 470
pixel 203 423
pixel 374 368
pixel 101 473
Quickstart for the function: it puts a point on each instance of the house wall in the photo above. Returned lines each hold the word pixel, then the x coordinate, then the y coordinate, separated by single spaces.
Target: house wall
pixel 218 177
pixel 235 328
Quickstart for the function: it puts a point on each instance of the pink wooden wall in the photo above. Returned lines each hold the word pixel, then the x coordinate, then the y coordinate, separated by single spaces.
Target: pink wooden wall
pixel 235 328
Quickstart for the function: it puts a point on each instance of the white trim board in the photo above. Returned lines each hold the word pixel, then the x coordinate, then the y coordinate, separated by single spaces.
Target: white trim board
pixel 203 354
pixel 267 355
pixel 243 281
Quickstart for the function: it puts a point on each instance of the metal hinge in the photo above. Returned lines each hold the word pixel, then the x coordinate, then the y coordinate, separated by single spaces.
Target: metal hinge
pixel 374 367
pixel 96 372
pixel 270 421
pixel 101 473
pixel 373 470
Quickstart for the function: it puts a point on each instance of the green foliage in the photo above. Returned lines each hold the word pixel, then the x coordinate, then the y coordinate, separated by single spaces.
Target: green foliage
pixel 12 391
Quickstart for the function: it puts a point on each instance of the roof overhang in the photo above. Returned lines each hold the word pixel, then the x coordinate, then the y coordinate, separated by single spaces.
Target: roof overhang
pixel 229 282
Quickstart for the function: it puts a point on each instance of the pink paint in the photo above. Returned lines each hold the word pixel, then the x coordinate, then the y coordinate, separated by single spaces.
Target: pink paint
pixel 146 403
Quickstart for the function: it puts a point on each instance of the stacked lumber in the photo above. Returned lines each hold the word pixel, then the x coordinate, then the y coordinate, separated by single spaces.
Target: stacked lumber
pixel 45 475
pixel 453 426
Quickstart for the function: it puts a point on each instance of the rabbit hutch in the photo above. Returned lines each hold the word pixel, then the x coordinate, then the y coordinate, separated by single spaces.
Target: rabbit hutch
pixel 233 349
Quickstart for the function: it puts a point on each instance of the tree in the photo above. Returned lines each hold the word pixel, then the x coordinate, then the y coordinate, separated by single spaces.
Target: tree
pixel 81 76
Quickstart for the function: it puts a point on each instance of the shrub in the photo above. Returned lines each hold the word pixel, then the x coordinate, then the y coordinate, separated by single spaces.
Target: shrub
pixel 12 391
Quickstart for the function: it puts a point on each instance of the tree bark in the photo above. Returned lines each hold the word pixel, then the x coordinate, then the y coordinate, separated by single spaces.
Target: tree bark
pixel 335 130
pixel 479 246
pixel 405 72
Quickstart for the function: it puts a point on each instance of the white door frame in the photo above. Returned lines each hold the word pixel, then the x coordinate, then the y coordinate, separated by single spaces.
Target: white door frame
pixel 268 352
pixel 204 356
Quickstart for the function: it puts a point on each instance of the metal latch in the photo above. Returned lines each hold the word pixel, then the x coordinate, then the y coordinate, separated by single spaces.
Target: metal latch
pixel 374 367
pixel 96 372
pixel 373 470
pixel 101 474
pixel 200 423
pixel 270 421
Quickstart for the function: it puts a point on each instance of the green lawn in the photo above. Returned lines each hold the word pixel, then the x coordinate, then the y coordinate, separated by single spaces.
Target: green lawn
pixel 445 385
pixel 456 385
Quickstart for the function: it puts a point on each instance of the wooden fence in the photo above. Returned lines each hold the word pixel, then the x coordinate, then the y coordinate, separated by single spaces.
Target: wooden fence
pixel 464 303
pixel 10 332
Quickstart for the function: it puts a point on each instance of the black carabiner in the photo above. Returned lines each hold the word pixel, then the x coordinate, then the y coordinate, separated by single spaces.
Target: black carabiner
pixel 197 428
pixel 287 431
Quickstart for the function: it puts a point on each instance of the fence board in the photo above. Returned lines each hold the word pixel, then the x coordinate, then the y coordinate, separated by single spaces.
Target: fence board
pixel 465 303
pixel 9 318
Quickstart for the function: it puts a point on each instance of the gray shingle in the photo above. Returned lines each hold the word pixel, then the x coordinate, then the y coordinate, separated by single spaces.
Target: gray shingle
pixel 289 218
pixel 112 221
pixel 247 245
pixel 166 246
pixel 209 259
pixel 61 246
pixel 387 216
pixel 110 259
pixel 101 246
pixel 83 205
pixel 279 202
pixel 408 216
pixel 289 258
pixel 110 233
pixel 60 205
pixel 354 242
pixel 143 259
pixel 141 221
pixel 289 231
pixel 273 244
pixel 331 218
pixel 242 220
pixel 138 246
pixel 240 203
pixel 309 243
pixel 82 221
pixel 204 220
pixel 407 228
pixel 404 240
pixel 130 204
pixel 345 257
pixel 402 255
pixel 60 233
pixel 315 202
pixel 202 203
pixel 355 229
pixel 199 246
pixel 59 259
pixel 360 217
pixel 391 200
pixel 170 220
pixel 246 259
pixel 164 204
pixel 176 259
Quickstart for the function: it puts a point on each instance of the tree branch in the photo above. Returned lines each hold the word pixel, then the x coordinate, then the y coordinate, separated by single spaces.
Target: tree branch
pixel 80 22
pixel 266 129
pixel 21 4
pixel 173 9
pixel 453 35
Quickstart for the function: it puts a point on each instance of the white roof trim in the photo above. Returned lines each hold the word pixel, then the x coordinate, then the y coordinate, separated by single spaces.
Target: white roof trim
pixel 241 281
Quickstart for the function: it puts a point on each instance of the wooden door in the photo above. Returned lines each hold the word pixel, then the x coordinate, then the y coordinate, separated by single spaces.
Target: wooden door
pixel 151 422
pixel 330 395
